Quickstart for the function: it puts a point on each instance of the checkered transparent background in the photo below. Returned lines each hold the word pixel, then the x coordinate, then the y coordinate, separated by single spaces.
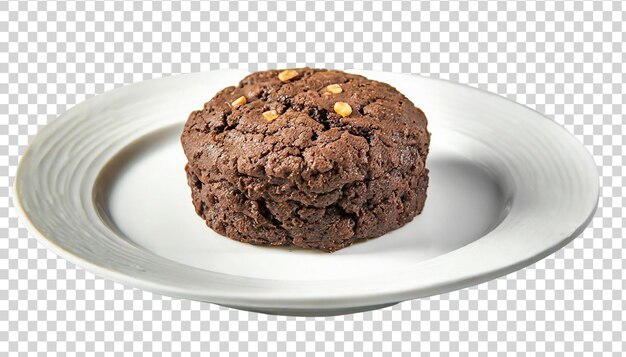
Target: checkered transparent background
pixel 563 58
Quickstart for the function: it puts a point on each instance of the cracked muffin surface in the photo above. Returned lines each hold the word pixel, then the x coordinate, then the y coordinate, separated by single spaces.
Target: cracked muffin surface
pixel 307 157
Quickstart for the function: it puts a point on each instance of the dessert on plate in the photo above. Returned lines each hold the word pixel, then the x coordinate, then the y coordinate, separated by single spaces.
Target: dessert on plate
pixel 307 157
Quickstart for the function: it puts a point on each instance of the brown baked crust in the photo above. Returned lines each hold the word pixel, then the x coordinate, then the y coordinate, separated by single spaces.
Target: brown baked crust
pixel 310 178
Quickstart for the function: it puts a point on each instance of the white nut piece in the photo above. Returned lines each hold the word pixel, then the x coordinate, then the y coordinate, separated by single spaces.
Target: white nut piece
pixel 334 88
pixel 287 75
pixel 238 102
pixel 270 115
pixel 343 109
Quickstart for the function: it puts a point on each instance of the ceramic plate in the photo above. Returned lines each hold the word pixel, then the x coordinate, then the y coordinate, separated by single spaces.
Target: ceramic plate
pixel 104 187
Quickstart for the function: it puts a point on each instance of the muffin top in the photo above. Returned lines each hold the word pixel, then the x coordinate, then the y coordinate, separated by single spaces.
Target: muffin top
pixel 306 131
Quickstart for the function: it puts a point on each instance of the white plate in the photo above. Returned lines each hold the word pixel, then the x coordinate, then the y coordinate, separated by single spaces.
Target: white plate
pixel 104 187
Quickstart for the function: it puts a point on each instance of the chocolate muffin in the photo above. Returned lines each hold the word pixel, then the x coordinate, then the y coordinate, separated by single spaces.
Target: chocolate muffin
pixel 307 157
